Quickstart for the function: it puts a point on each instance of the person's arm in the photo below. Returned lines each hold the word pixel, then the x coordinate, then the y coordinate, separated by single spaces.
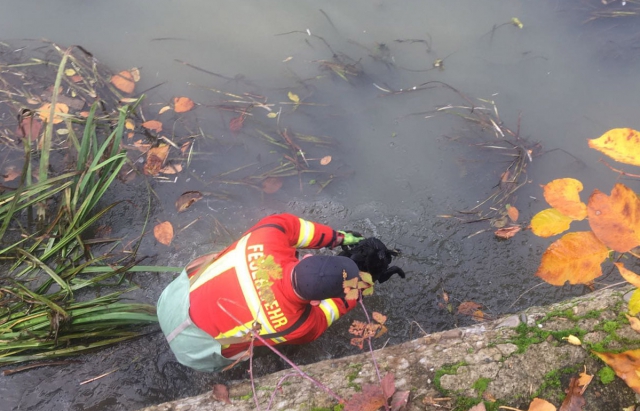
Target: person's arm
pixel 325 314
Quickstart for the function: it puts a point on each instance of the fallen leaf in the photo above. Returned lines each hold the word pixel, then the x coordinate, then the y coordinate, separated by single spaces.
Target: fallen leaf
pixel 135 74
pixel 76 78
pixel 478 407
pixel 388 385
pixel 129 124
pixel 123 81
pixel 10 174
pixel 626 365
pixel 468 307
pixel 30 127
pixel 370 399
pixel 615 219
pixel 574 400
pixel 584 380
pixel 325 160
pixel 477 315
pixel 380 318
pixel 507 232
pixel 563 194
pixel 235 124
pixel 513 213
pixel 182 104
pixel 185 147
pixel 69 72
pixel 358 342
pixel 272 115
pixel 631 277
pixel 171 169
pixel 572 339
pixel 400 400
pixel 294 97
pixel 153 125
pixel 155 159
pixel 221 393
pixel 541 405
pixel 634 302
pixel 575 257
pixel 164 109
pixel 621 144
pixel 187 199
pixel 271 184
pixel 550 222
pixel 163 232
pixel 45 111
pixel 634 322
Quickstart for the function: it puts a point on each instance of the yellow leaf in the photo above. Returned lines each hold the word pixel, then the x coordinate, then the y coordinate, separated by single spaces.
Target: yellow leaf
pixel 294 97
pixel 516 22
pixel 129 125
pixel 615 219
pixel 621 144
pixel 45 111
pixel 272 115
pixel 625 364
pixel 549 222
pixel 573 340
pixel 163 109
pixel 541 405
pixel 631 277
pixel 163 232
pixel 634 303
pixel 563 195
pixel 69 72
pixel 575 257
pixel 634 323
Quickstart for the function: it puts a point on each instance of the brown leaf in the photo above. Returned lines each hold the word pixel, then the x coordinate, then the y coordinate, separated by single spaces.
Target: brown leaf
pixel 615 219
pixel 541 405
pixel 477 315
pixel 507 232
pixel 221 393
pixel 182 104
pixel 584 380
pixel 370 399
pixel 574 400
pixel 379 317
pixel 163 232
pixel 468 307
pixel 576 257
pixel 187 199
pixel 235 124
pixel 153 125
pixel 123 81
pixel 357 328
pixel 563 194
pixel 10 173
pixel 400 400
pixel 30 127
pixel 325 160
pixel 45 111
pixel 388 385
pixel 358 342
pixel 155 159
pixel 271 184
pixel 513 213
pixel 171 169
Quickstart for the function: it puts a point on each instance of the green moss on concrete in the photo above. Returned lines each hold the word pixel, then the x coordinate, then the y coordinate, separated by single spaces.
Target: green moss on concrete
pixel 451 369
pixel 481 385
pixel 606 375
pixel 353 375
pixel 338 407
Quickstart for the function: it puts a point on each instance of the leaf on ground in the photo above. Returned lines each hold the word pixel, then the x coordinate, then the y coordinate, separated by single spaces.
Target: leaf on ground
pixel 171 169
pixel 541 405
pixel 221 393
pixel 357 328
pixel 574 400
pixel 30 127
pixel 271 185
pixel 563 194
pixel 370 399
pixel 182 104
pixel 388 385
pixel 381 318
pixel 615 219
pixel 124 81
pixel 153 125
pixel 634 302
pixel 575 257
pixel 631 277
pixel 400 400
pixel 549 222
pixel 572 339
pixel 155 159
pixel 129 124
pixel 621 144
pixel 294 97
pixel 45 111
pixel 187 199
pixel 164 109
pixel 478 407
pixel 468 307
pixel 478 315
pixel 513 213
pixel 163 232
pixel 358 342
pixel 634 322
pixel 10 173
pixel 584 380
pixel 135 73
pixel 507 232
pixel 325 160
pixel 626 365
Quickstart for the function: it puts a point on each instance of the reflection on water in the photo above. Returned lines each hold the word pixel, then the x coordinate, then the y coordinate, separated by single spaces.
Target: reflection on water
pixel 555 81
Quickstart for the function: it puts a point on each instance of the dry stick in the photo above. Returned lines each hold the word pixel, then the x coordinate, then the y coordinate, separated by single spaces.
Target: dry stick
pixel 623 173
pixel 287 360
pixel 37 365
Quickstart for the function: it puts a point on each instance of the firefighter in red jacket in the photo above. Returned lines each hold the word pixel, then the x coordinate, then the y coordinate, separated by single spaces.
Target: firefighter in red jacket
pixel 207 312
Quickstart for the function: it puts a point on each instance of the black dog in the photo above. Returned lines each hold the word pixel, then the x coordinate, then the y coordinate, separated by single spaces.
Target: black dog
pixel 372 256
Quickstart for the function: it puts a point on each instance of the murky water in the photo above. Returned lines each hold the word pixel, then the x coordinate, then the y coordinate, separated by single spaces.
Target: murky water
pixel 566 82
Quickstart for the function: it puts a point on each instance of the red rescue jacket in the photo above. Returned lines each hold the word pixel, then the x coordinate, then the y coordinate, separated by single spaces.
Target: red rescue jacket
pixel 251 279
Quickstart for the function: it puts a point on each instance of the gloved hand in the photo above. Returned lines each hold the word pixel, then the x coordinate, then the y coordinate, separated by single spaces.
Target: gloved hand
pixel 350 237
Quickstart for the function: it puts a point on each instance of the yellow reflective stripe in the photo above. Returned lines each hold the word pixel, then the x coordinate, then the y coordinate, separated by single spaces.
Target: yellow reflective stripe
pixel 330 310
pixel 226 262
pixel 307 229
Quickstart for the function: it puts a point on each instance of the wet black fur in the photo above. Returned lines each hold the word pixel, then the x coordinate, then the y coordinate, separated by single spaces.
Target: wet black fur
pixel 372 256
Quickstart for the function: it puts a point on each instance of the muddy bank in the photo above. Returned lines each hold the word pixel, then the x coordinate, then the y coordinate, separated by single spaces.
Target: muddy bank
pixel 511 360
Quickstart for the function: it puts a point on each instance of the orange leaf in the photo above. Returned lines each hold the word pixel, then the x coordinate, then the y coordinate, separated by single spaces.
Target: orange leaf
pixel 621 144
pixel 182 104
pixel 153 125
pixel 513 213
pixel 507 232
pixel 541 405
pixel 381 318
pixel 45 111
pixel 163 232
pixel 468 307
pixel 123 81
pixel 549 222
pixel 370 399
pixel 626 365
pixel 271 184
pixel 615 219
pixel 576 257
pixel 235 124
pixel 563 195
pixel 155 158
pixel 325 160
pixel 631 277
pixel 634 323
